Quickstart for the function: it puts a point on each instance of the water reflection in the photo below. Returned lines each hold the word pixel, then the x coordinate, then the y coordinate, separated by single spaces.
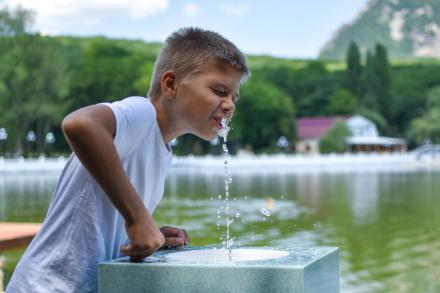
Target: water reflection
pixel 25 197
pixel 386 223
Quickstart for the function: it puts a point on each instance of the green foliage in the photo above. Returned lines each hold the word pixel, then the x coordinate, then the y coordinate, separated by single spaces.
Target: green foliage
pixel 309 86
pixel 428 126
pixel 34 85
pixel 263 114
pixel 334 140
pixel 434 98
pixel 15 22
pixel 342 102
pixel 382 81
pixel 42 79
pixel 354 70
pixel 378 83
pixel 106 71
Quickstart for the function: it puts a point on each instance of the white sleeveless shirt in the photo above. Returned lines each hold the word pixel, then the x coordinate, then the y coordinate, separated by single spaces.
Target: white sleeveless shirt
pixel 82 227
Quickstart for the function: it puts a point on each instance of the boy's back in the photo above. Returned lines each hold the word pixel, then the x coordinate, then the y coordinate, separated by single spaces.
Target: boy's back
pixel 82 226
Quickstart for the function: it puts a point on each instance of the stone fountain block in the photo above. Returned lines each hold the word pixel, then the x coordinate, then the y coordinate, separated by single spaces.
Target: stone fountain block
pixel 309 270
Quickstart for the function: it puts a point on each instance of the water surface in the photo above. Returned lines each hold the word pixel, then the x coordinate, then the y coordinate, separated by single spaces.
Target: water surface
pixel 385 223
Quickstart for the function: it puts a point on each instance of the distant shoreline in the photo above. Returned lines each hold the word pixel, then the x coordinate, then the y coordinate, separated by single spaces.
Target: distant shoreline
pixel 263 162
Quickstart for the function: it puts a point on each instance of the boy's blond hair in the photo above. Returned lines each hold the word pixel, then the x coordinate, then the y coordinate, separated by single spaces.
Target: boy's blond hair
pixel 188 49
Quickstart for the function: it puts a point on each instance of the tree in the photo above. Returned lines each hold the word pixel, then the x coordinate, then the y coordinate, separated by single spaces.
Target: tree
pixel 378 82
pixel 15 22
pixel 33 80
pixel 334 140
pixel 49 102
pixel 369 101
pixel 354 70
pixel 342 102
pixel 428 126
pixel 263 114
pixel 383 81
pixel 106 71
pixel 14 40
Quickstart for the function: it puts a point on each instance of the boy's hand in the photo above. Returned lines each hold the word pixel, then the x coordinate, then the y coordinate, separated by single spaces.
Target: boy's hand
pixel 174 237
pixel 144 240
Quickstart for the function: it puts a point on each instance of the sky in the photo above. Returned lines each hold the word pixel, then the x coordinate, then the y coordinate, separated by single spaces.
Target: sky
pixel 290 29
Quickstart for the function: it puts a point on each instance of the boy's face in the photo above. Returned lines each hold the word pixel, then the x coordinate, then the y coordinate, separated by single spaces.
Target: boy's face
pixel 204 98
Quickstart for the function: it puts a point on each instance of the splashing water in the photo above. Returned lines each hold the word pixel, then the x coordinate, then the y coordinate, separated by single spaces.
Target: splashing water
pixel 265 212
pixel 223 133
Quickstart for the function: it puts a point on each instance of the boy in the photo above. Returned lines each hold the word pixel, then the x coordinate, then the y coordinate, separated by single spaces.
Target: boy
pixel 102 204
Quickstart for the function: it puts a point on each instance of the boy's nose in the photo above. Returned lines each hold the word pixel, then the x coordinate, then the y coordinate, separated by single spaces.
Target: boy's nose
pixel 228 106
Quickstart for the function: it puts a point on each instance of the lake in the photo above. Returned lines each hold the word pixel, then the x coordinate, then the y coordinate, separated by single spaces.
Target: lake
pixel 386 223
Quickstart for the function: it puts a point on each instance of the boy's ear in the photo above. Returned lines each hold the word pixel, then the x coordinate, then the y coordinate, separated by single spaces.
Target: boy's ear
pixel 168 83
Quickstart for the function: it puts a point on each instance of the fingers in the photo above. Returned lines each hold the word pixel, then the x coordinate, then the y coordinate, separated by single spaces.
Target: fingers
pixel 174 242
pixel 136 253
pixel 169 231
pixel 172 232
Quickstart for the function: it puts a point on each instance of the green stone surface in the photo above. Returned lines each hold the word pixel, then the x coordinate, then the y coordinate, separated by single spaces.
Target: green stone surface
pixel 310 270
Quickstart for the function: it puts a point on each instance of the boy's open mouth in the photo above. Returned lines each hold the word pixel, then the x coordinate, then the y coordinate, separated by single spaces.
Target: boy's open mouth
pixel 218 121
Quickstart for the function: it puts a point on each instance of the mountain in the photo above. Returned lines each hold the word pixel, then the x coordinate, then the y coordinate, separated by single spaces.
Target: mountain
pixel 407 28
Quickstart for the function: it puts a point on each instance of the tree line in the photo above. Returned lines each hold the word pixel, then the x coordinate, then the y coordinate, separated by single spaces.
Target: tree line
pixel 43 78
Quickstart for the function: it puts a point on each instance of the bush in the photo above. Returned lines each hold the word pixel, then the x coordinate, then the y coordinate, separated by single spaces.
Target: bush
pixel 334 140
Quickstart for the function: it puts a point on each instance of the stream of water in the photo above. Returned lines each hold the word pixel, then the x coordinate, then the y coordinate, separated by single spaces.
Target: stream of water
pixel 223 133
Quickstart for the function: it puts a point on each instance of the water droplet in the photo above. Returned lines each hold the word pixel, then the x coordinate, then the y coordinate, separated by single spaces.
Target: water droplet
pixel 219 197
pixel 245 197
pixel 237 215
pixel 265 212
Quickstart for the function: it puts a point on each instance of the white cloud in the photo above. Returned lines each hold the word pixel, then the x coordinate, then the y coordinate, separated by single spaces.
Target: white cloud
pixel 53 14
pixel 235 10
pixel 191 9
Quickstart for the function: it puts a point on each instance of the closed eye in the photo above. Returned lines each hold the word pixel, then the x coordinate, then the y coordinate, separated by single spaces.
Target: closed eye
pixel 219 92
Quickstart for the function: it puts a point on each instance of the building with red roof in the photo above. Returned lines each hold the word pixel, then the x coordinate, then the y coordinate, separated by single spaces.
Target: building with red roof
pixel 365 136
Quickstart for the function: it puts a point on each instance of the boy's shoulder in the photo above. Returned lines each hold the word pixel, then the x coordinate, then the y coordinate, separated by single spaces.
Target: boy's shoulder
pixel 135 99
pixel 135 104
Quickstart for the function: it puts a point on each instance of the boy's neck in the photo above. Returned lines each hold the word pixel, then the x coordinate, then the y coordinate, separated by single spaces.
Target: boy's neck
pixel 166 122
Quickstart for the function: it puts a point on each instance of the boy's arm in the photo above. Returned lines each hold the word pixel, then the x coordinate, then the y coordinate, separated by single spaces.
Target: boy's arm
pixel 89 132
